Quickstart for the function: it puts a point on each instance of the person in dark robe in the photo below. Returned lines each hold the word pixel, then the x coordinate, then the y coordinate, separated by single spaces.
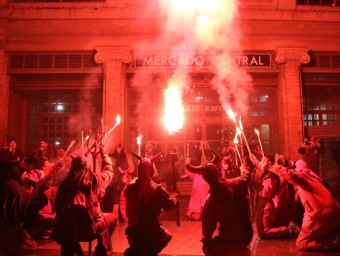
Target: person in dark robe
pixel 145 200
pixel 78 213
pixel 227 206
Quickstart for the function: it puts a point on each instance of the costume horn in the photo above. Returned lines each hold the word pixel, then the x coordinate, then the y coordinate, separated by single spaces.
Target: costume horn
pixel 214 158
pixel 194 169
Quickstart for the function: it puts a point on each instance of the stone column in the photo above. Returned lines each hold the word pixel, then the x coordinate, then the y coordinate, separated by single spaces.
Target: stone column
pixel 290 108
pixel 4 92
pixel 114 62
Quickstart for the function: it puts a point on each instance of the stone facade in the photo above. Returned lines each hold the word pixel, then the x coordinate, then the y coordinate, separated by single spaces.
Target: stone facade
pixel 113 30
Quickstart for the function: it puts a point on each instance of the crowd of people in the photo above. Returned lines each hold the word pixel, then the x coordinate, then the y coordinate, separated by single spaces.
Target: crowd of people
pixel 58 194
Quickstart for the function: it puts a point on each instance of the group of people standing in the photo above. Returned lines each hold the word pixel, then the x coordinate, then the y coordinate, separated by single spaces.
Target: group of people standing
pixel 292 201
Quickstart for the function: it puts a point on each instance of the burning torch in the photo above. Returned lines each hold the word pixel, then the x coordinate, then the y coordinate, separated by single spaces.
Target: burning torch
pixel 115 125
pixel 258 136
pixel 139 141
pixel 173 120
pixel 238 132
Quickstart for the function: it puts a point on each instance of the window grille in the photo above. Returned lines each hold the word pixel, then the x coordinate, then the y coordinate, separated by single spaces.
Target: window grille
pixel 321 106
pixel 318 2
pixel 324 60
pixel 262 103
pixel 51 61
pixel 60 115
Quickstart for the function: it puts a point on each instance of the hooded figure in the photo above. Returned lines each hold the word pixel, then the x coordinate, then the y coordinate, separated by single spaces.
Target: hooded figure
pixel 321 222
pixel 227 205
pixel 78 213
pixel 145 201
pixel 121 166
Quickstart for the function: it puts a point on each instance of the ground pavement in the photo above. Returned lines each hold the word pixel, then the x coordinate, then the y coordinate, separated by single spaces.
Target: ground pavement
pixel 186 240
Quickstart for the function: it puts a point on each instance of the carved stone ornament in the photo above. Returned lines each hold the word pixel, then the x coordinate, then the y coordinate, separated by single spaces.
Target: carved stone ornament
pixel 297 55
pixel 111 54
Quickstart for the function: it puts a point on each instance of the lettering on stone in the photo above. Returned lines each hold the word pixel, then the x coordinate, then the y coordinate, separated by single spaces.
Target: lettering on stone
pixel 188 60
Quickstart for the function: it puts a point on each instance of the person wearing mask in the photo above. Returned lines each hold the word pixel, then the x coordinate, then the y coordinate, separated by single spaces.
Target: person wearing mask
pixel 145 200
pixel 226 208
pixel 122 168
pixel 271 222
pixel 78 213
pixel 321 222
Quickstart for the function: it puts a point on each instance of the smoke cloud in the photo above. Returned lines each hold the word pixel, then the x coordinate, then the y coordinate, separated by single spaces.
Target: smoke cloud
pixel 204 27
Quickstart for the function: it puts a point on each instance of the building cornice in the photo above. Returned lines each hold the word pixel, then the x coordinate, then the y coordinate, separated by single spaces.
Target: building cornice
pixel 110 9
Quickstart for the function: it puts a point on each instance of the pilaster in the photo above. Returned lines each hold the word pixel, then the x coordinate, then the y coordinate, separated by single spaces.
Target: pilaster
pixel 114 62
pixel 290 108
pixel 4 92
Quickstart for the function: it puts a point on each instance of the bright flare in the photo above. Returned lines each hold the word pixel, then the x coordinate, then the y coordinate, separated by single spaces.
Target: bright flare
pixel 116 124
pixel 240 124
pixel 173 108
pixel 117 119
pixel 231 115
pixel 139 141
pixel 238 132
pixel 258 136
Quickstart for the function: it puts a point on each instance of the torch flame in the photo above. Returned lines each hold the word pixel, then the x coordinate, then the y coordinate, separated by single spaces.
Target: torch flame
pixel 173 108
pixel 238 132
pixel 86 138
pixel 236 139
pixel 139 141
pixel 231 115
pixel 116 124
pixel 240 124
pixel 117 119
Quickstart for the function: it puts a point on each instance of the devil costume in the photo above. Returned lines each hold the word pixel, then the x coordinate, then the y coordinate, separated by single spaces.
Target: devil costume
pixel 145 201
pixel 78 213
pixel 321 223
pixel 270 221
pixel 227 205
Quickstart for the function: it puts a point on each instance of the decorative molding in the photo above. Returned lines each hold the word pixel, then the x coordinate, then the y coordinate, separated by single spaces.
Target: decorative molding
pixel 77 34
pixel 291 35
pixel 124 33
pixel 113 54
pixel 67 5
pixel 297 55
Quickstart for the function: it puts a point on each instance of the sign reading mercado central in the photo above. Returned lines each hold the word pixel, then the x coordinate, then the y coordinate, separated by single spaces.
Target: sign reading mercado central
pixel 198 60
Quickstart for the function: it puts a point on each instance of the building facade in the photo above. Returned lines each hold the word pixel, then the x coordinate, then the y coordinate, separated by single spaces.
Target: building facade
pixel 69 67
